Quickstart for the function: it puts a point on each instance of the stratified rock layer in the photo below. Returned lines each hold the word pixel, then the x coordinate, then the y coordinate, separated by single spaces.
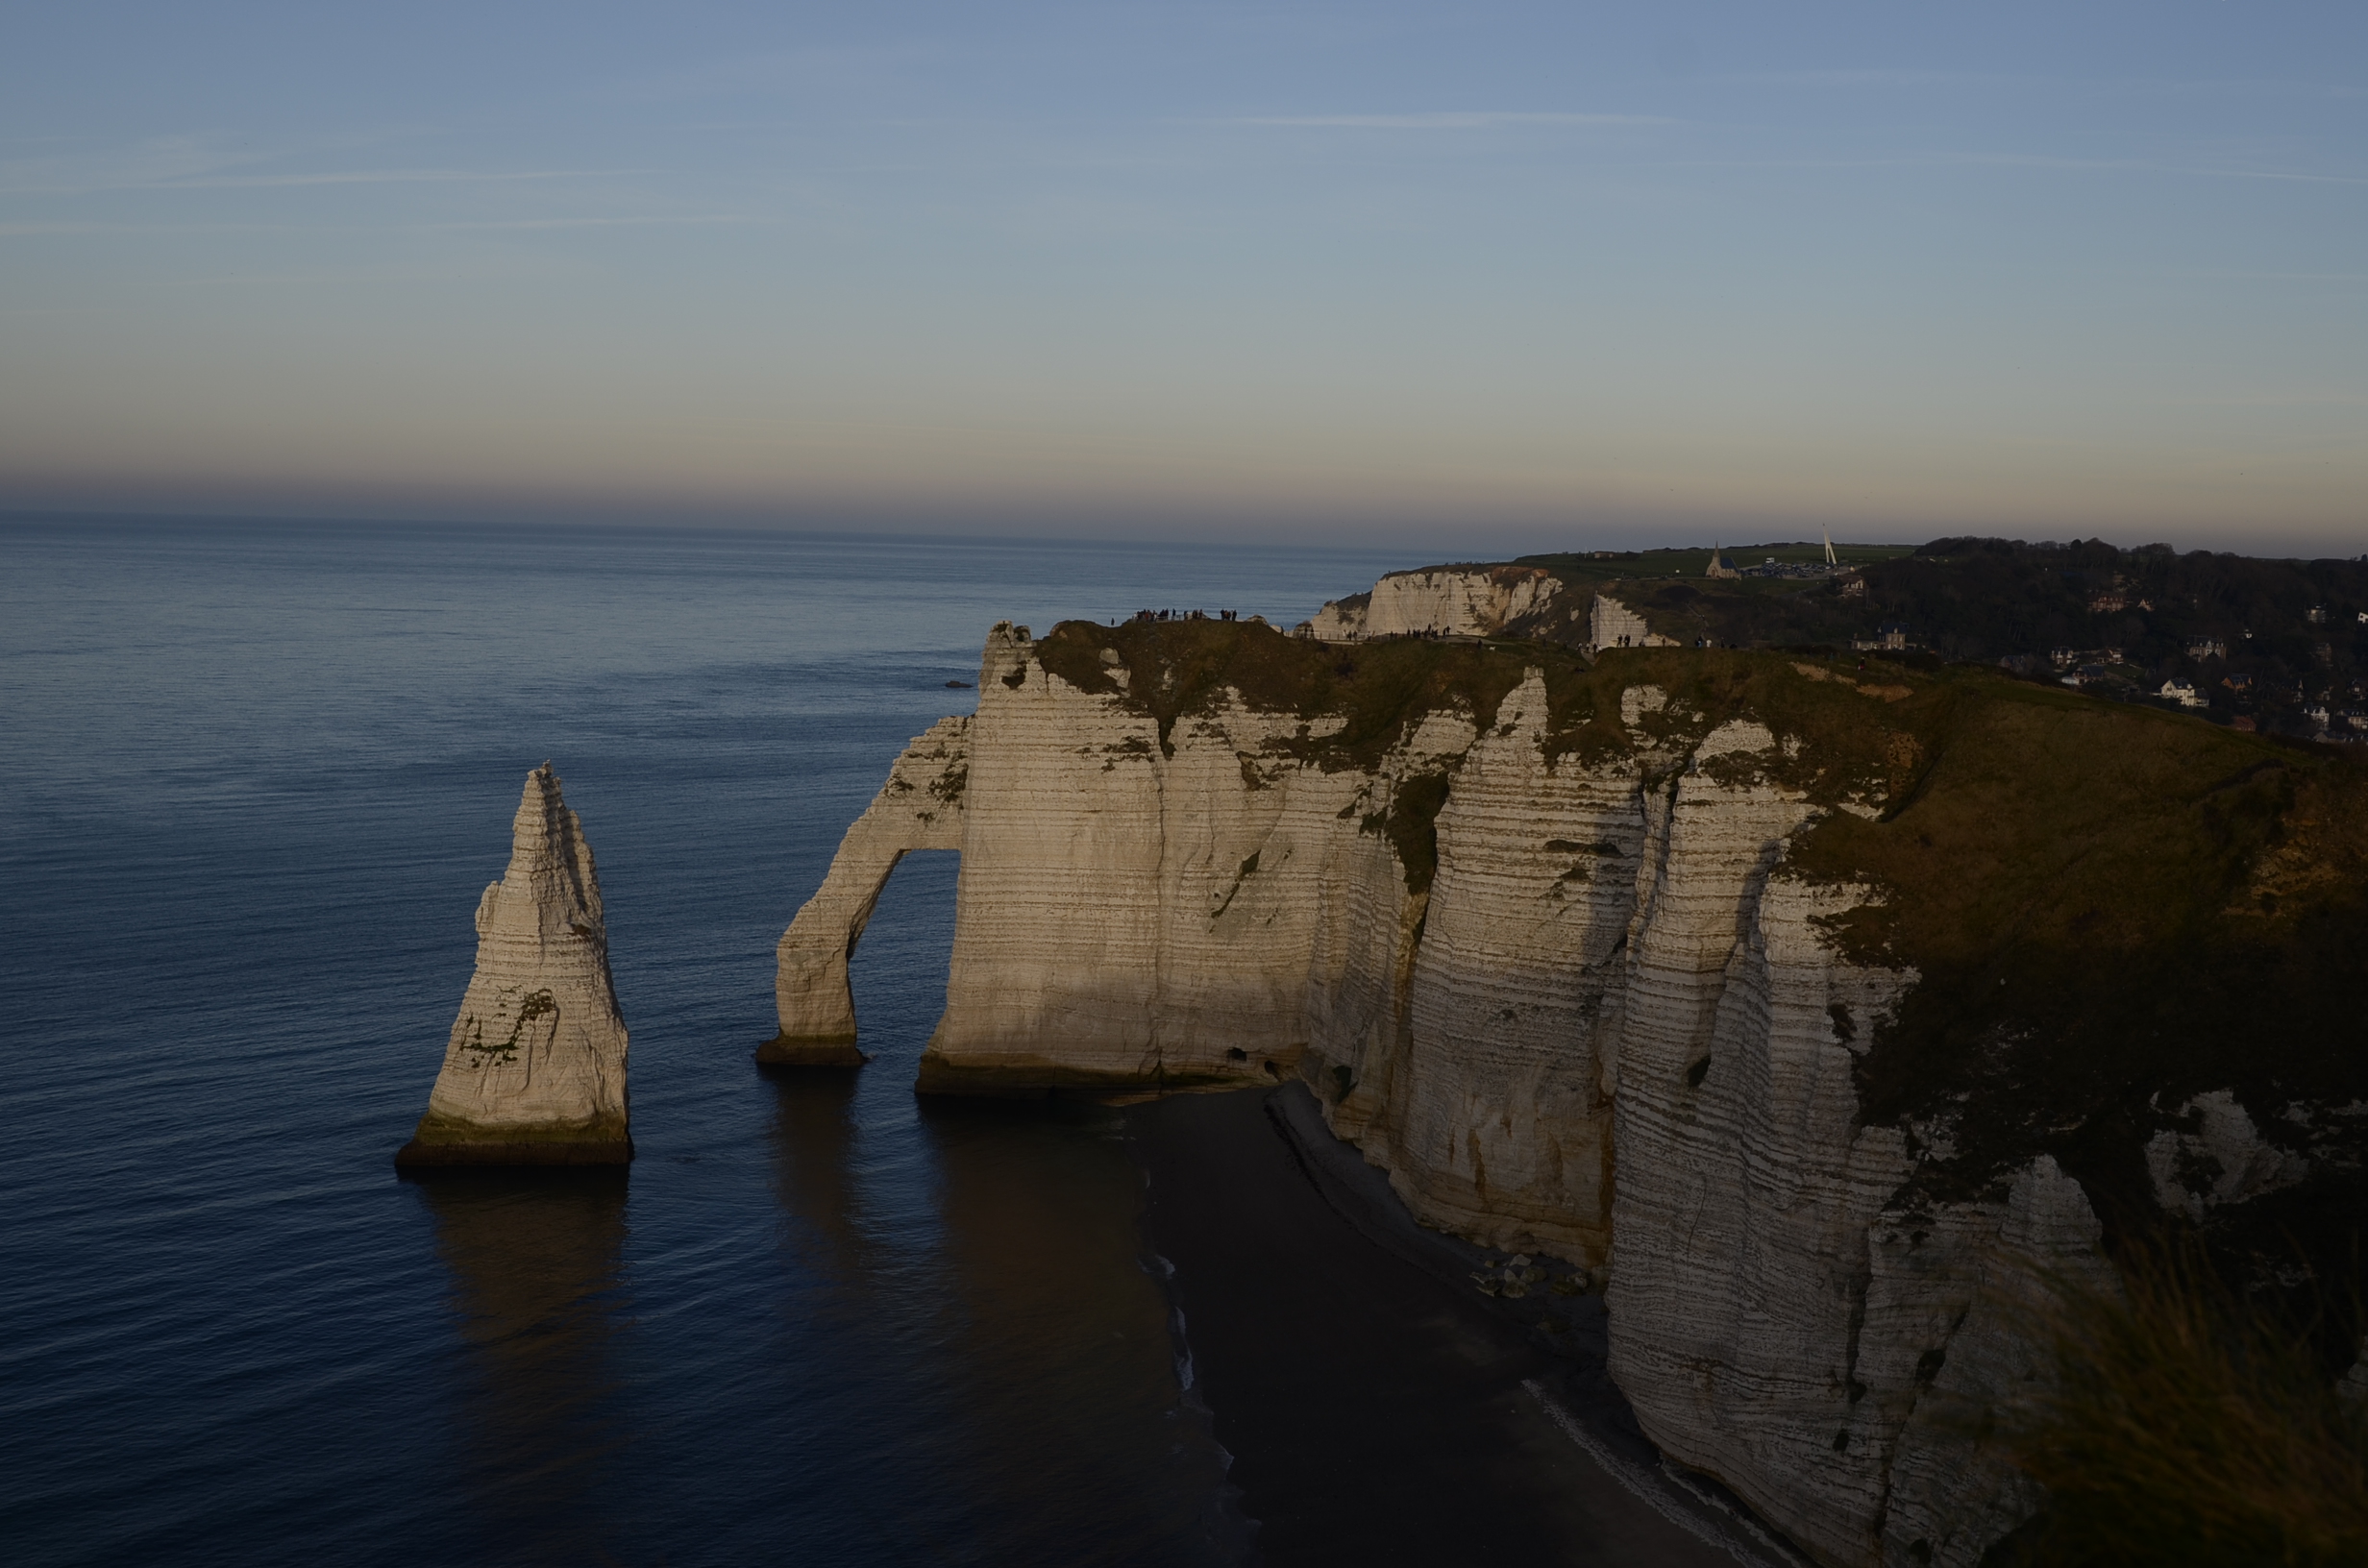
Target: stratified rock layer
pixel 535 1072
pixel 1609 961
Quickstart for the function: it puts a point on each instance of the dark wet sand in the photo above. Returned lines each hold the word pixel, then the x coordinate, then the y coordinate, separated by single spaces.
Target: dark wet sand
pixel 1373 1400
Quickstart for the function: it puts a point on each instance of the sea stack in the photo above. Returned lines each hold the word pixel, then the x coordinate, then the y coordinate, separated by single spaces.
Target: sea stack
pixel 534 1072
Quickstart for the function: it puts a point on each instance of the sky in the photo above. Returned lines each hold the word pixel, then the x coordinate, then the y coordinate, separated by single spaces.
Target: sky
pixel 1469 276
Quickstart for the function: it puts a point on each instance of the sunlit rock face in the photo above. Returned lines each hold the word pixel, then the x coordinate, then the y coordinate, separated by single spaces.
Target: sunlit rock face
pixel 919 808
pixel 1566 952
pixel 1201 907
pixel 534 1070
pixel 1610 624
pixel 1473 601
pixel 1139 907
pixel 1462 600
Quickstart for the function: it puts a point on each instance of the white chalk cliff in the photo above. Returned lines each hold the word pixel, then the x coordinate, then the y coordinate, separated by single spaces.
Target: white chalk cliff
pixel 534 1070
pixel 1465 600
pixel 1560 979
pixel 1610 624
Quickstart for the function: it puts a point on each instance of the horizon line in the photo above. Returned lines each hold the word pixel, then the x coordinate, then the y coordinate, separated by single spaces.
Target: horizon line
pixel 17 516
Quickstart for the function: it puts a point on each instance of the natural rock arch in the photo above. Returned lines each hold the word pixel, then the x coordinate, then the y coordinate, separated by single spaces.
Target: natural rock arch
pixel 919 808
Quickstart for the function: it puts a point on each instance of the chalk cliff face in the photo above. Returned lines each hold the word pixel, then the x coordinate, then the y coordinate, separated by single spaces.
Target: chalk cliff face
pixel 1610 624
pixel 1340 619
pixel 534 1070
pixel 1778 1315
pixel 1468 601
pixel 1682 962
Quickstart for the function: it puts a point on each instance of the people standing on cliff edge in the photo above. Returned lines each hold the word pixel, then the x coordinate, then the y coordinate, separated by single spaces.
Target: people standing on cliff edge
pixel 534 1070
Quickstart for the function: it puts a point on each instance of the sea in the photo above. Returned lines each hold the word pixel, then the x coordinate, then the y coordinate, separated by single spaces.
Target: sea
pixel 253 778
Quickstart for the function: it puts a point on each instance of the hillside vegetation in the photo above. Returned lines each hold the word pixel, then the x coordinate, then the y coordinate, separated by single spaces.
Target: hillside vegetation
pixel 2267 640
pixel 2187 1425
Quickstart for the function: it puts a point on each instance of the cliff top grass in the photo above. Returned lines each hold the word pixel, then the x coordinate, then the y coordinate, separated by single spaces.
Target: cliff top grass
pixel 1382 690
pixel 1609 566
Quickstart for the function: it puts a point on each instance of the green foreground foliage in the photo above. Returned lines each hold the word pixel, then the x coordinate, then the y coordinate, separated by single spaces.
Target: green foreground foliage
pixel 2190 1426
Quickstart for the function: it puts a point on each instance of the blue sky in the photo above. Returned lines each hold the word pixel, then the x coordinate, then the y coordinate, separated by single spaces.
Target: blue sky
pixel 1471 277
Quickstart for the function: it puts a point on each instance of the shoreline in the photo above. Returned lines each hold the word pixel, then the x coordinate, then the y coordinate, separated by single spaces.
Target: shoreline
pixel 1378 1405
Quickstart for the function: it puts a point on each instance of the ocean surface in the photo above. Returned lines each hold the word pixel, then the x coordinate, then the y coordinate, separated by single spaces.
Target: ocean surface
pixel 253 778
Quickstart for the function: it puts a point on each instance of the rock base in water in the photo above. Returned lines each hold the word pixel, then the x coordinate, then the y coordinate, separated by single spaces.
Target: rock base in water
pixel 447 1141
pixel 1024 1076
pixel 810 1051
pixel 608 1151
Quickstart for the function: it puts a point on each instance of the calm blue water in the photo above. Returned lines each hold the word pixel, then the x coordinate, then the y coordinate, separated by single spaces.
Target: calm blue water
pixel 252 781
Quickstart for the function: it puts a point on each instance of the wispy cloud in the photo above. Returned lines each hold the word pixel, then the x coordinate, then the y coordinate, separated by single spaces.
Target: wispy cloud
pixel 1916 160
pixel 1453 120
pixel 626 221
pixel 653 221
pixel 1877 78
pixel 338 177
pixel 2315 398
pixel 2223 275
pixel 387 177
pixel 192 156
pixel 213 161
pixel 1919 79
pixel 2205 172
pixel 2014 160
pixel 2273 174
